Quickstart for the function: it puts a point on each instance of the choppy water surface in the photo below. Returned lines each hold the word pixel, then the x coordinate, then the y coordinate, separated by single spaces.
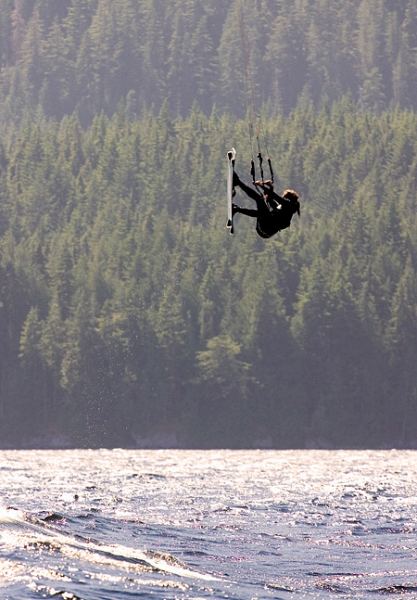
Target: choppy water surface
pixel 167 524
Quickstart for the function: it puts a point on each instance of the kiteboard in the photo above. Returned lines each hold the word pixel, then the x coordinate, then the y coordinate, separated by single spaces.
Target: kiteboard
pixel 231 156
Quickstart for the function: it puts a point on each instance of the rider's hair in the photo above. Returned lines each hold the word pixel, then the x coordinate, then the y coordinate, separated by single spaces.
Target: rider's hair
pixel 290 194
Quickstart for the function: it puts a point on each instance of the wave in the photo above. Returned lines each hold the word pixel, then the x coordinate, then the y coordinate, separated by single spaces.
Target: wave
pixel 399 589
pixel 28 533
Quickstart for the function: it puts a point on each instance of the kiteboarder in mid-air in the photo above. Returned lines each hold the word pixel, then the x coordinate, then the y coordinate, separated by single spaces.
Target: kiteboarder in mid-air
pixel 273 212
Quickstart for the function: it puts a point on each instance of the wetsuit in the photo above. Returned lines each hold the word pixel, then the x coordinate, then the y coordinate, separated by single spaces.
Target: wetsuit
pixel 272 213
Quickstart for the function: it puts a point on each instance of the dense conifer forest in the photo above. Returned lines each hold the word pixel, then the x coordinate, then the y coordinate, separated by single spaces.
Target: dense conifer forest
pixel 128 315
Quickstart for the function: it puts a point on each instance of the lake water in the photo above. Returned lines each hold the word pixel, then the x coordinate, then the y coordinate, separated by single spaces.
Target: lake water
pixel 103 525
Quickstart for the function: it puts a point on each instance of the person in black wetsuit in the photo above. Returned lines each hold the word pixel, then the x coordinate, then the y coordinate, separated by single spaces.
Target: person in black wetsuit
pixel 273 212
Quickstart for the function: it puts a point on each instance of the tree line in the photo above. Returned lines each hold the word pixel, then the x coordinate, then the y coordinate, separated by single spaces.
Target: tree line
pixel 85 57
pixel 128 314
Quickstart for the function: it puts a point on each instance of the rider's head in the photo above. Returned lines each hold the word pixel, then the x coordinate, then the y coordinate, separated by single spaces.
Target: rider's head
pixel 291 195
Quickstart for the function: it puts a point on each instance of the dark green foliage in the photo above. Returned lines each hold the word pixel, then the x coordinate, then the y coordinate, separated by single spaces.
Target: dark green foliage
pixel 90 56
pixel 128 316
pixel 127 311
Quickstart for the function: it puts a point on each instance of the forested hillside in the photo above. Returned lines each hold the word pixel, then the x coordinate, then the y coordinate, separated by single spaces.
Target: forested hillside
pixel 128 314
pixel 87 56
